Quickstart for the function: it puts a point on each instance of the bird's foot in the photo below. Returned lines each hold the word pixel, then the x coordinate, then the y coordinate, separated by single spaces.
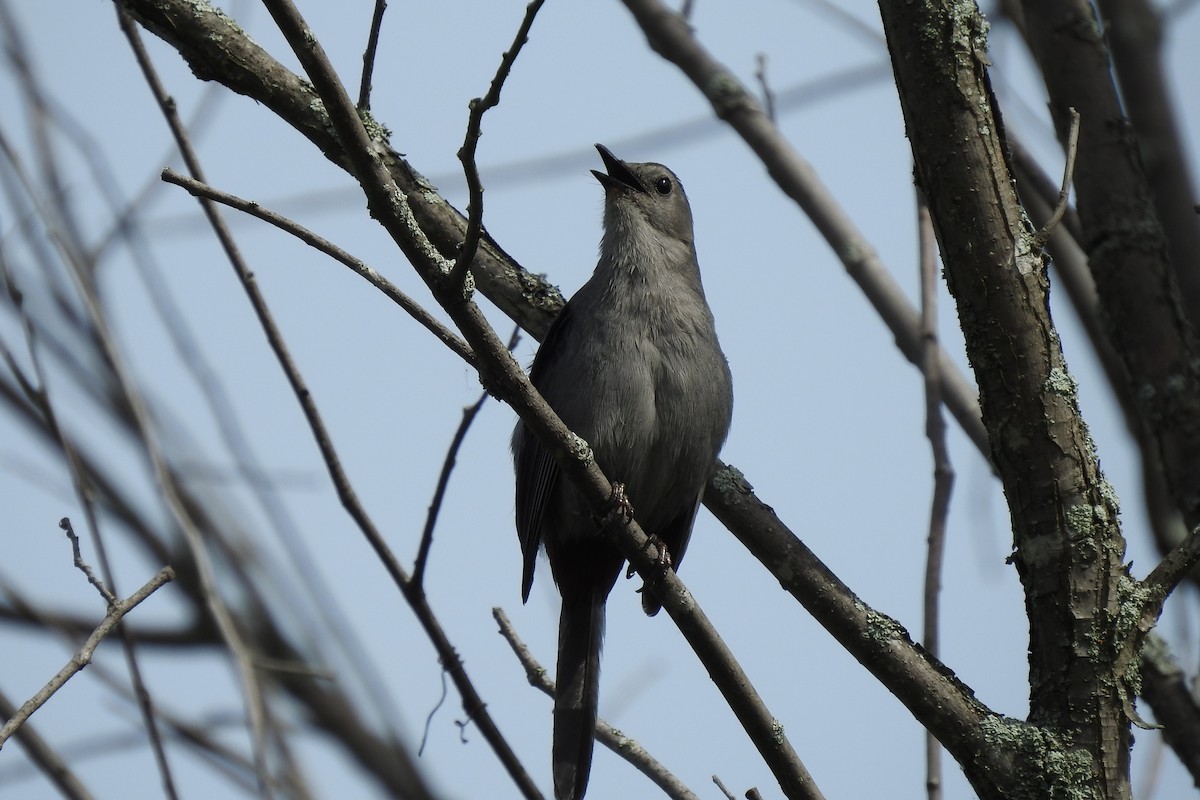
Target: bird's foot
pixel 619 505
pixel 663 561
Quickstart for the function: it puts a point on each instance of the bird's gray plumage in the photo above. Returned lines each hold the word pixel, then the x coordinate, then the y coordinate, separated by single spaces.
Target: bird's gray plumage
pixel 632 365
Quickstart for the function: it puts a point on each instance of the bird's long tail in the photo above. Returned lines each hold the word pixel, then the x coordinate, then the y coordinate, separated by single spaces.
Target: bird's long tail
pixel 580 632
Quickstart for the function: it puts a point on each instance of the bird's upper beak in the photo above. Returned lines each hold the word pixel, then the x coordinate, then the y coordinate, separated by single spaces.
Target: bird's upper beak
pixel 618 173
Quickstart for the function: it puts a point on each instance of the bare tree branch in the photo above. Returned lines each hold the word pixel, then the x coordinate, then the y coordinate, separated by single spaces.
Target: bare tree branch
pixel 466 154
pixel 364 88
pixel 469 414
pixel 1134 31
pixel 1166 575
pixel 83 656
pixel 937 699
pixel 1127 249
pixel 1169 692
pixel 1060 208
pixel 81 565
pixel 414 309
pixel 943 472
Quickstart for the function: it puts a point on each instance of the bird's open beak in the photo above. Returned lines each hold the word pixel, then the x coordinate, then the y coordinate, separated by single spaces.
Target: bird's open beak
pixel 618 173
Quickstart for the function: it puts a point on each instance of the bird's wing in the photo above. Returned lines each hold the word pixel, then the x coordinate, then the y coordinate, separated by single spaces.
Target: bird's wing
pixel 537 474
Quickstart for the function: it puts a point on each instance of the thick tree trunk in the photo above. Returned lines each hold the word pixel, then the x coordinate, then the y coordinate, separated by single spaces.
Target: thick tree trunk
pixel 1068 547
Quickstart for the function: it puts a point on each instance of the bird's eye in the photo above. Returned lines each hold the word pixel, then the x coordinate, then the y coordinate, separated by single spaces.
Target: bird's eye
pixel 663 185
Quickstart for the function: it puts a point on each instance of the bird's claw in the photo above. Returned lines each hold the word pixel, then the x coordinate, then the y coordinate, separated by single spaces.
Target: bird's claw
pixel 619 505
pixel 663 561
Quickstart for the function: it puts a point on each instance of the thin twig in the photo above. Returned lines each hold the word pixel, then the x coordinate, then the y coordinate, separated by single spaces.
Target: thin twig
pixel 292 667
pixel 84 655
pixel 413 308
pixel 364 87
pixel 1041 237
pixel 81 565
pixel 430 716
pixel 1167 574
pixel 943 473
pixel 606 734
pixel 720 785
pixel 768 96
pixel 1031 178
pixel 435 505
pixel 469 414
pixel 466 153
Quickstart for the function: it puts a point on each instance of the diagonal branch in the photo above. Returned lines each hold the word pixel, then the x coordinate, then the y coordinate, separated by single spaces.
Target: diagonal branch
pixel 938 700
pixel 1165 576
pixel 1064 193
pixel 411 307
pixel 435 505
pixel 83 656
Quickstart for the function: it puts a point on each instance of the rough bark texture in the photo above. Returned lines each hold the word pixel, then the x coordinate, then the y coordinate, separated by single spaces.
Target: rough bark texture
pixel 1134 31
pixel 1128 252
pixel 1175 707
pixel 1068 547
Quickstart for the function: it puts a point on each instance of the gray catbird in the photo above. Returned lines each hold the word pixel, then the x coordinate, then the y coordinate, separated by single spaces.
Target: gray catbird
pixel 632 365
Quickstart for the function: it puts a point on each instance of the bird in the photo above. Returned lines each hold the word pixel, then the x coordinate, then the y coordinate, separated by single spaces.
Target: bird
pixel 632 365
